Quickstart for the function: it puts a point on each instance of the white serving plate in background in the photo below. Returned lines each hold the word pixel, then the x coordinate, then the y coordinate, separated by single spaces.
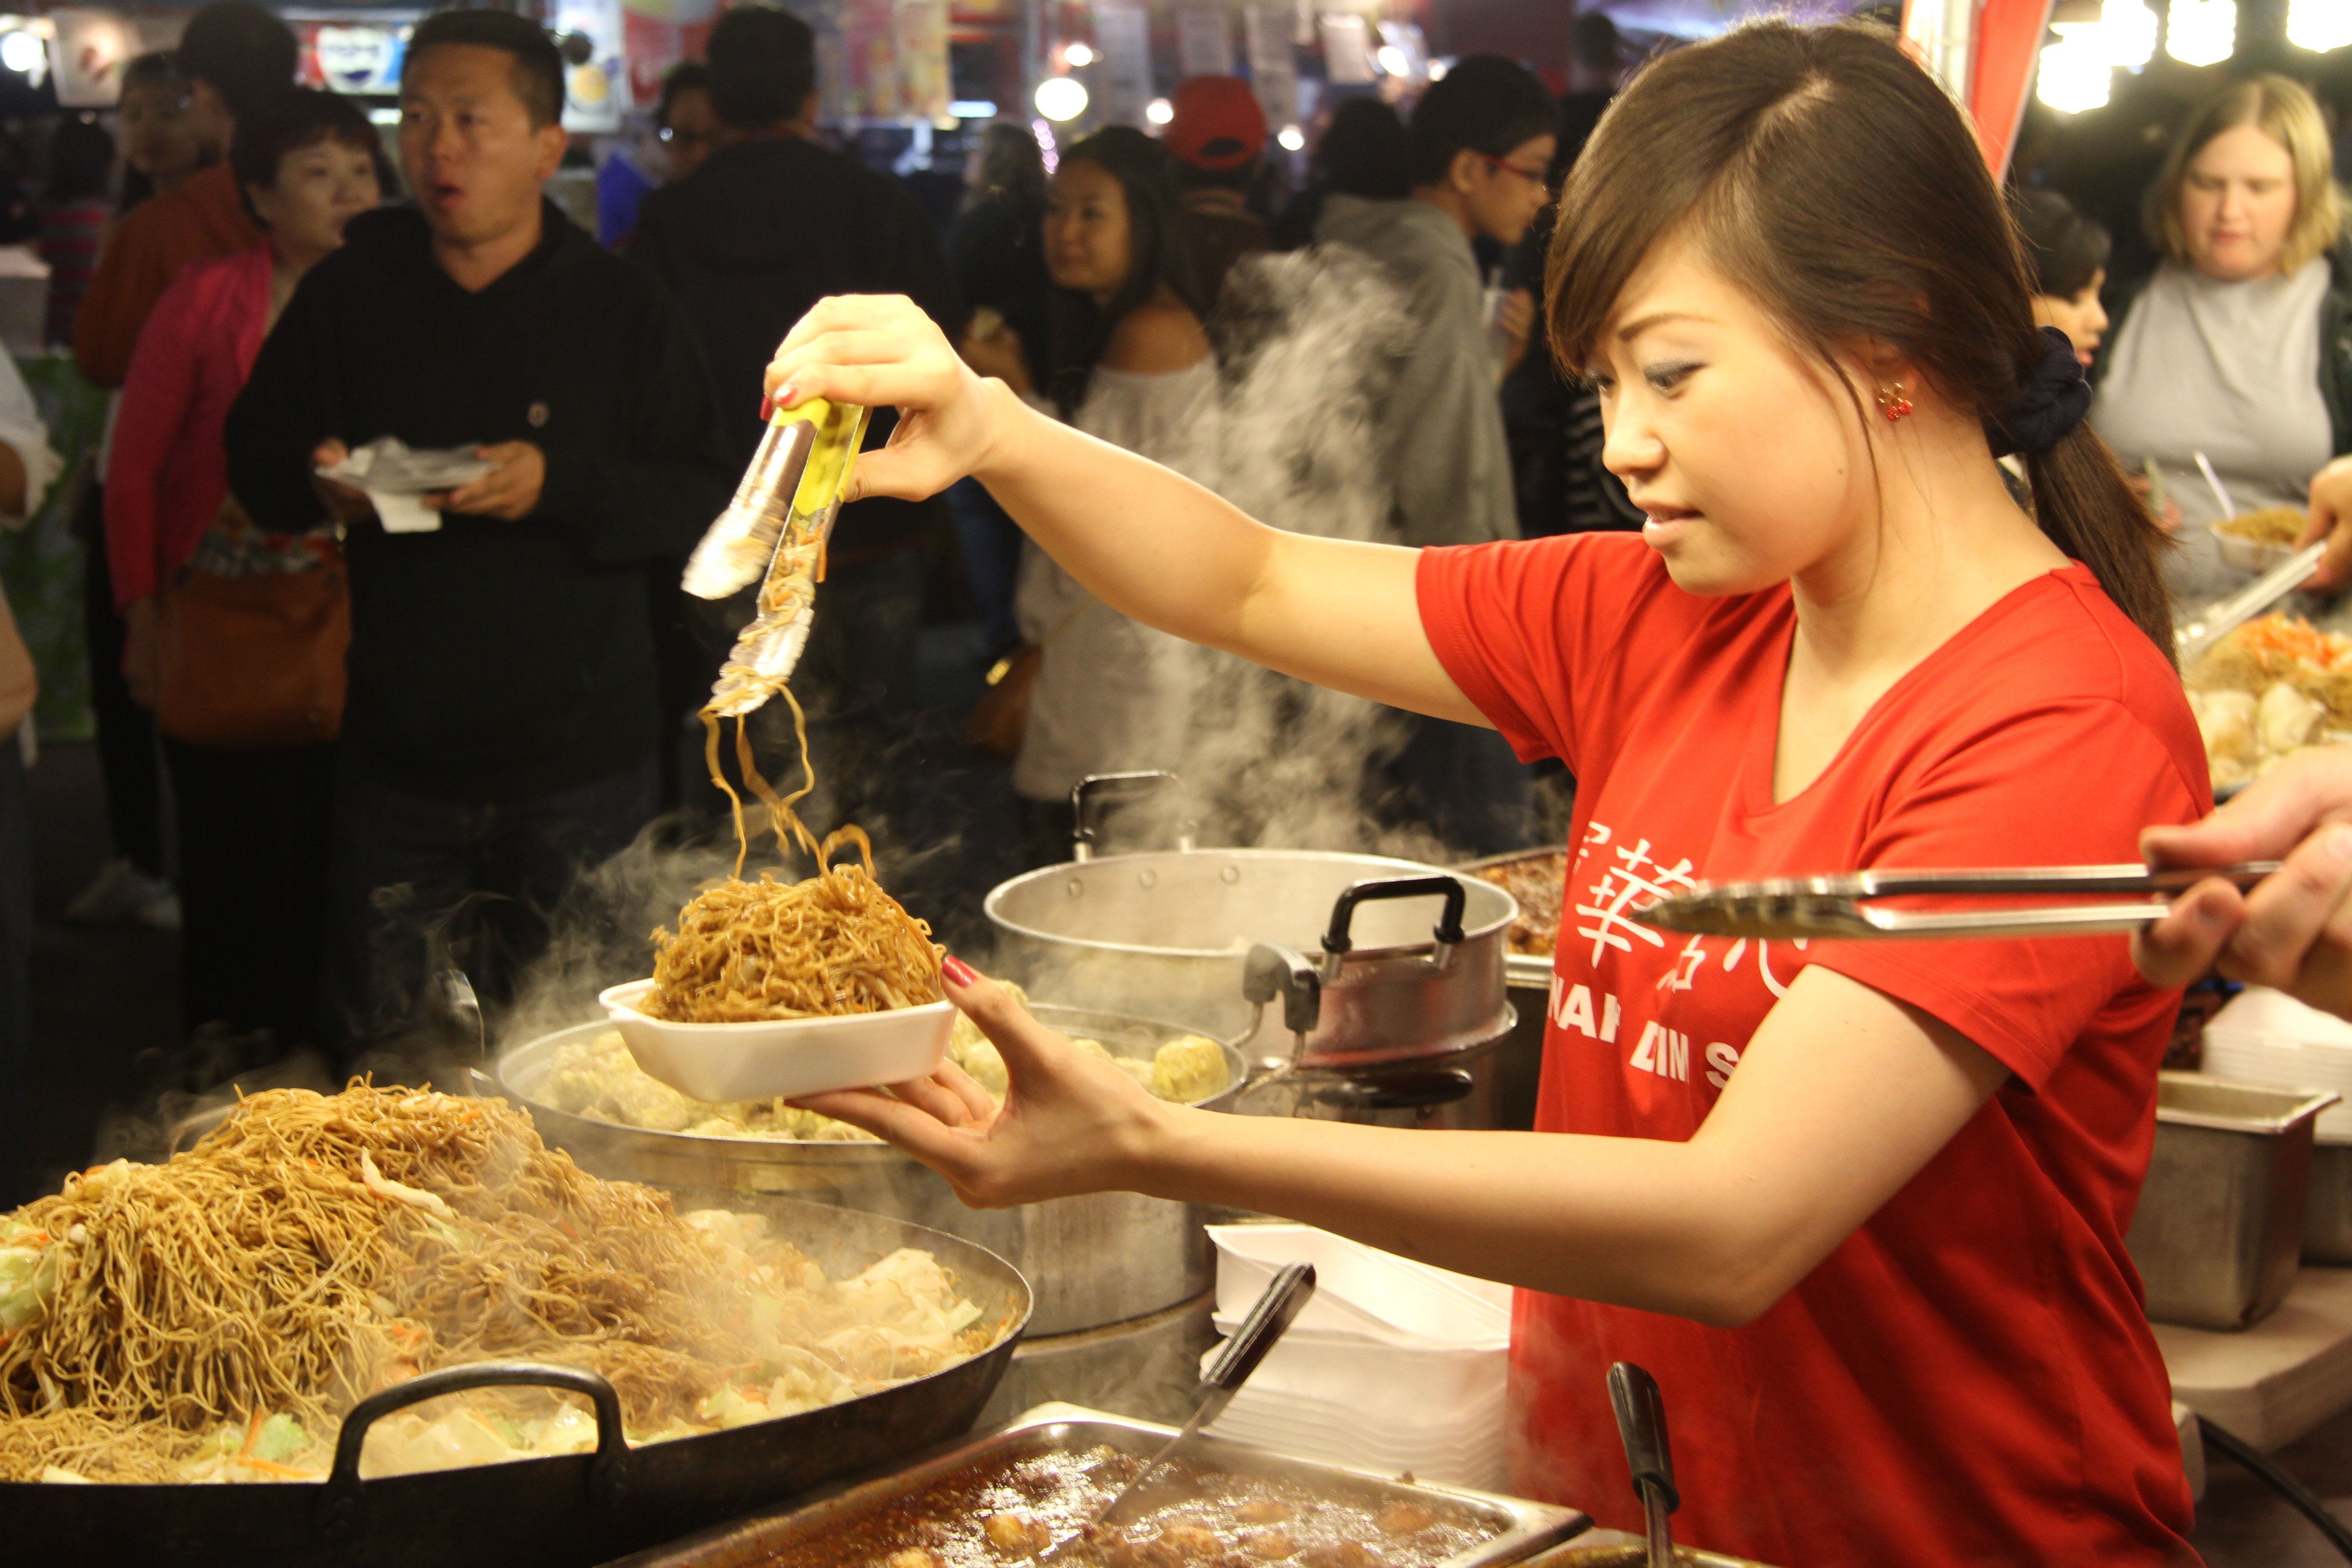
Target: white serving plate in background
pixel 786 1057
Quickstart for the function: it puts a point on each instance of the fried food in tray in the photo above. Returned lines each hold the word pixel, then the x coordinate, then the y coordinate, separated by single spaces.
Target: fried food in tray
pixel 1011 1509
pixel 2268 690
pixel 1537 881
pixel 212 1319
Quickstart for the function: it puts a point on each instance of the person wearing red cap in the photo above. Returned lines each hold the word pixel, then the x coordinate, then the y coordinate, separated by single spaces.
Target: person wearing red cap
pixel 1216 135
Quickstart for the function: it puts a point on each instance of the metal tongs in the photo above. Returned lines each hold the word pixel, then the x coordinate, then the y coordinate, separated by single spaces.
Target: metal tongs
pixel 1276 1309
pixel 773 533
pixel 1837 907
pixel 2191 641
pixel 1641 1412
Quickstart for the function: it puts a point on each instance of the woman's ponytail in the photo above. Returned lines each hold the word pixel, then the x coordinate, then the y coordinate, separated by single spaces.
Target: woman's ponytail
pixel 2084 503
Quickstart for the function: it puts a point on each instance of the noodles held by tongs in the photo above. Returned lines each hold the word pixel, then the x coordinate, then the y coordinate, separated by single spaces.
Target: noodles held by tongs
pixel 837 942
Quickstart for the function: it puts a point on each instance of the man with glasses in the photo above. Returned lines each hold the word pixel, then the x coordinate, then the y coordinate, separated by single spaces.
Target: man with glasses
pixel 1480 145
pixel 1481 142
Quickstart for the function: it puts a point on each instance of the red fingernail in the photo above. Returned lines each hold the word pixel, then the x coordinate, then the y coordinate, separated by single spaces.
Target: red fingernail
pixel 787 396
pixel 958 971
pixel 767 408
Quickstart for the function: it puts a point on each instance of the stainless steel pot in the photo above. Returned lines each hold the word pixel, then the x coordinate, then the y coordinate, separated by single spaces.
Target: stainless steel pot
pixel 1104 1257
pixel 1173 935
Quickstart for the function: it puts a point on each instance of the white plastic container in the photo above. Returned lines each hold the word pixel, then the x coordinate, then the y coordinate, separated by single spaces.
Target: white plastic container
pixel 787 1056
pixel 2247 554
pixel 2267 1036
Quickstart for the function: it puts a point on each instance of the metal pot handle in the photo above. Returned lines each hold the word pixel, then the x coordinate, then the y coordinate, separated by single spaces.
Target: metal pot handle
pixel 1272 970
pixel 1338 941
pixel 338 1504
pixel 1081 833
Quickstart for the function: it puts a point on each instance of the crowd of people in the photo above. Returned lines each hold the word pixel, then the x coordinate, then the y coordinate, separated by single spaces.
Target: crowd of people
pixel 455 701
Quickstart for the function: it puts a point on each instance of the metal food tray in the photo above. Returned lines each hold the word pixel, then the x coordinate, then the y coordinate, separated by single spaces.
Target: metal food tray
pixel 1521 971
pixel 769 1536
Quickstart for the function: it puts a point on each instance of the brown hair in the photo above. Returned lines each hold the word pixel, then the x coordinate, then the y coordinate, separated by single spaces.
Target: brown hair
pixel 1828 176
pixel 2282 110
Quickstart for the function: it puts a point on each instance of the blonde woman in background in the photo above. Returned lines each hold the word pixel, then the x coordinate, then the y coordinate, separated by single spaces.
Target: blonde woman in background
pixel 2240 345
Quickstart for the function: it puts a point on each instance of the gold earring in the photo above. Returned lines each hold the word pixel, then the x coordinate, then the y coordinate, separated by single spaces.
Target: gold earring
pixel 1893 403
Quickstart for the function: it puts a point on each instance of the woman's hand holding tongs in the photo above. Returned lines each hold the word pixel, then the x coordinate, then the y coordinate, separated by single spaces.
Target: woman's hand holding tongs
pixel 2292 930
pixel 880 351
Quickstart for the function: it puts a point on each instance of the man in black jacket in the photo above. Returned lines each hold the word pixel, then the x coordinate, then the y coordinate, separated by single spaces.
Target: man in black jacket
pixel 767 226
pixel 502 722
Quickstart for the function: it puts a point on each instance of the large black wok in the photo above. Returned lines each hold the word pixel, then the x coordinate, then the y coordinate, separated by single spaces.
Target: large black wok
pixel 557 1512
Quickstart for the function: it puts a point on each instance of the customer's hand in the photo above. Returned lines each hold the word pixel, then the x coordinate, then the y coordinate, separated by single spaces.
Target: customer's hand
pixel 2141 486
pixel 511 490
pixel 2292 930
pixel 2331 519
pixel 880 350
pixel 141 653
pixel 1516 317
pixel 343 504
pixel 1070 1122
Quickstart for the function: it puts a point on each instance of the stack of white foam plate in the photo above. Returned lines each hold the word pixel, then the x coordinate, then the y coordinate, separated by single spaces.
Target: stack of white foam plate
pixel 1393 1366
pixel 2267 1036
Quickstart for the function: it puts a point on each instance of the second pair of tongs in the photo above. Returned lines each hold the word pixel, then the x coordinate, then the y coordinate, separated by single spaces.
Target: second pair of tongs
pixel 1839 906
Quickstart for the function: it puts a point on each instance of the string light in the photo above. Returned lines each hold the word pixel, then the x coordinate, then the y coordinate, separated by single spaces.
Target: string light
pixel 1079 53
pixel 2075 73
pixel 2202 32
pixel 21 52
pixel 1061 97
pixel 1292 138
pixel 2319 25
pixel 1159 111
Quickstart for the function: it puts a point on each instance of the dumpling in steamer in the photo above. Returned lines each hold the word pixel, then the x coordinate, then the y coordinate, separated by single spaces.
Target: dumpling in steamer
pixel 2226 720
pixel 2287 718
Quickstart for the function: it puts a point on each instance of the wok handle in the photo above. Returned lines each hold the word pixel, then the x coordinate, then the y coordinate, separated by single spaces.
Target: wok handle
pixel 339 1506
pixel 1339 940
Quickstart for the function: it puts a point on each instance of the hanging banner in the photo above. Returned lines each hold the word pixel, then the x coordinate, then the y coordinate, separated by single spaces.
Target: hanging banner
pixel 87 56
pixel 595 91
pixel 2008 42
pixel 355 60
pixel 1346 48
pixel 921 36
pixel 1273 62
pixel 653 46
pixel 1984 53
pixel 1122 82
pixel 1204 39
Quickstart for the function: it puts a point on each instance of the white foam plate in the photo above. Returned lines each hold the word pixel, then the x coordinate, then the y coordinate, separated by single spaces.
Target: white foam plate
pixel 788 1057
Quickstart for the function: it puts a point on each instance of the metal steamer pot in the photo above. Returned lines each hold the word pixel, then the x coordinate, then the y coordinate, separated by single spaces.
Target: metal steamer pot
pixel 1105 1257
pixel 1391 1010
pixel 560 1513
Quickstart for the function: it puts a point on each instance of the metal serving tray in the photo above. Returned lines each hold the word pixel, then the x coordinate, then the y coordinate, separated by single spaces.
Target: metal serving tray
pixel 759 1540
pixel 2220 1222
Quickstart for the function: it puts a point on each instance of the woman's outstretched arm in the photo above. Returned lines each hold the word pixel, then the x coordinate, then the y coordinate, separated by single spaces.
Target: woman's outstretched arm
pixel 1149 544
pixel 1841 1096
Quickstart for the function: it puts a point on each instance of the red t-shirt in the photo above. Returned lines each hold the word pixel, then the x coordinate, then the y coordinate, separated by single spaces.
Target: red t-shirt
pixel 1969 1378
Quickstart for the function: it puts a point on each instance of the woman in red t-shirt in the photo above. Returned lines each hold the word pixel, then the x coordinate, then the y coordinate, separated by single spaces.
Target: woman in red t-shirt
pixel 1860 1207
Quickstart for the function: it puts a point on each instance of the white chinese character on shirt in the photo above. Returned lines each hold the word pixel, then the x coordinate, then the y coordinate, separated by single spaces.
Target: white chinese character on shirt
pixel 1620 886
